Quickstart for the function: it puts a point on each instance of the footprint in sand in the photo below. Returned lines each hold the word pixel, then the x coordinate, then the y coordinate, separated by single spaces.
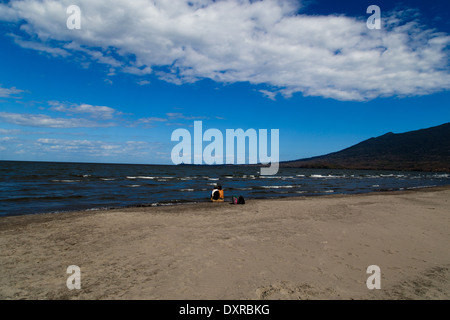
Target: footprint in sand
pixel 285 290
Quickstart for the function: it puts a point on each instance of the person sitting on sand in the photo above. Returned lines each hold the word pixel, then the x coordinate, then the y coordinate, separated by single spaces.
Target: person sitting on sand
pixel 217 194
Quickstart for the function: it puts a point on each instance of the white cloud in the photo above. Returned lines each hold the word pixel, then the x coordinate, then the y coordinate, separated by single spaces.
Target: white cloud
pixel 94 55
pixel 150 120
pixel 23 132
pixel 9 92
pixel 261 42
pixel 96 112
pixel 269 94
pixel 143 82
pixel 40 47
pixel 9 14
pixel 41 120
pixel 137 71
pixel 178 115
pixel 92 147
pixel 10 131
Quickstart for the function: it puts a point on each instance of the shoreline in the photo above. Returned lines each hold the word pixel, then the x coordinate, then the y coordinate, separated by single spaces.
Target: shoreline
pixel 309 247
pixel 183 202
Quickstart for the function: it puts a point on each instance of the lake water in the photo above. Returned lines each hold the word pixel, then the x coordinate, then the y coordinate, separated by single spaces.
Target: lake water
pixel 38 187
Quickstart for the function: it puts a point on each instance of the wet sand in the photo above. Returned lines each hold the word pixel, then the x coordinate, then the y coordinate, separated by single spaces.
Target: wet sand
pixel 296 248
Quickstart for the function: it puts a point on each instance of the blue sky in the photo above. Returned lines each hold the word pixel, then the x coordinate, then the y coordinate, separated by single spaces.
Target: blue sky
pixel 116 89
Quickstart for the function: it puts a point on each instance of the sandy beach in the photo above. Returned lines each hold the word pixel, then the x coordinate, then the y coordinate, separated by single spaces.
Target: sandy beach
pixel 302 248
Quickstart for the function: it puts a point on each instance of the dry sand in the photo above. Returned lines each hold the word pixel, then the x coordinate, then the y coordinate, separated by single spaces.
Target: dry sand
pixel 302 248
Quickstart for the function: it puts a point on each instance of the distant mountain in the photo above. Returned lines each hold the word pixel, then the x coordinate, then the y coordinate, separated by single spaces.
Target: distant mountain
pixel 420 150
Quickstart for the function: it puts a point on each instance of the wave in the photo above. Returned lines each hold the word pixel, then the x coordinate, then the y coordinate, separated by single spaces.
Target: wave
pixel 278 187
pixel 240 188
pixel 419 187
pixel 270 177
pixel 80 175
pixel 327 176
pixel 42 198
pixel 443 175
pixel 162 178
